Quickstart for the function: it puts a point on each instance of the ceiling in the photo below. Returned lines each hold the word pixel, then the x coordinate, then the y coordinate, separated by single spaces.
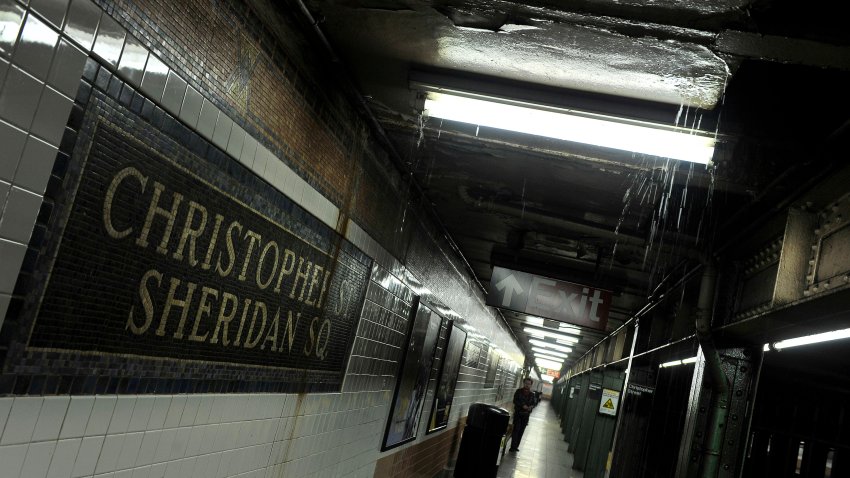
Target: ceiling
pixel 769 77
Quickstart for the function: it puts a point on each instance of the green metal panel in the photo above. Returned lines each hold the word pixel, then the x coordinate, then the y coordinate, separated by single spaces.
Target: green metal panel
pixel 603 429
pixel 588 411
pixel 577 404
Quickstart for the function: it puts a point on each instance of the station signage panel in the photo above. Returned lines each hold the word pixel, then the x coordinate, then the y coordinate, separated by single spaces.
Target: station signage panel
pixel 158 260
pixel 549 298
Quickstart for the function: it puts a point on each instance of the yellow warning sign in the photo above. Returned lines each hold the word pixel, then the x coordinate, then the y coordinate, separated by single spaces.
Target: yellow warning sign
pixel 608 404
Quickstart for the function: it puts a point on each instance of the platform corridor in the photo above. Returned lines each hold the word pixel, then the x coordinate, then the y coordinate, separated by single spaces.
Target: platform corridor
pixel 543 452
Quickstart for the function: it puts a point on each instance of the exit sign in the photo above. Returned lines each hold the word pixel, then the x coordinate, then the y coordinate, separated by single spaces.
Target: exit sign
pixel 549 298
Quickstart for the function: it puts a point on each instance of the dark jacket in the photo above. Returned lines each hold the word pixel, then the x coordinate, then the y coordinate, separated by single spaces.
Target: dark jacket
pixel 522 398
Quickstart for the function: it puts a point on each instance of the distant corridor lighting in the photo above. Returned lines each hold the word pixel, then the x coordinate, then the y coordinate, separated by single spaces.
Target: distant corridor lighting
pixel 547 357
pixel 550 345
pixel 550 364
pixel 552 353
pixel 810 339
pixel 559 123
pixel 551 333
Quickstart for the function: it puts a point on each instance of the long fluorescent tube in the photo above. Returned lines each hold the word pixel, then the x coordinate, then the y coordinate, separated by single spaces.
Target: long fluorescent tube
pixel 588 128
pixel 548 364
pixel 551 353
pixel 810 339
pixel 550 333
pixel 563 328
pixel 678 362
pixel 550 345
pixel 546 357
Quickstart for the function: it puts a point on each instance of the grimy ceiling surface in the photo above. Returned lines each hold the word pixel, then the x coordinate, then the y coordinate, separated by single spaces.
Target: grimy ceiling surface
pixel 770 77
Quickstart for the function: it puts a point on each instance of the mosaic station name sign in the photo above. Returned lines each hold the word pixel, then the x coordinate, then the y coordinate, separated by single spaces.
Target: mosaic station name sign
pixel 157 261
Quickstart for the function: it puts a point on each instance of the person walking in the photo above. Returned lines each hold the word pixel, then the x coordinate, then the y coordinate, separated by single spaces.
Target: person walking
pixel 524 402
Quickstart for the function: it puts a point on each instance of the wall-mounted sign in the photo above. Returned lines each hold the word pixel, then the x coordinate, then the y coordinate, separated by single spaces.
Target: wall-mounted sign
pixel 549 298
pixel 159 260
pixel 608 402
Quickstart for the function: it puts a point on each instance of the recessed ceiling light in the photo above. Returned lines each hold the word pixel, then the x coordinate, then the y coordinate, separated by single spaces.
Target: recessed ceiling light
pixel 551 333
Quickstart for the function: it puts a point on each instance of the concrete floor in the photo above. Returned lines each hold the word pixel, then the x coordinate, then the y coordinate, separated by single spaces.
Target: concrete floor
pixel 543 452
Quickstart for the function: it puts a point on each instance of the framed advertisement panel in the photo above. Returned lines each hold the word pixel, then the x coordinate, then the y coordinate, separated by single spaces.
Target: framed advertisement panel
pixel 407 404
pixel 447 379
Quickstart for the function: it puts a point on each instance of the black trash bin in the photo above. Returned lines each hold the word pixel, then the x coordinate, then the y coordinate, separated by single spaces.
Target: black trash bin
pixel 481 442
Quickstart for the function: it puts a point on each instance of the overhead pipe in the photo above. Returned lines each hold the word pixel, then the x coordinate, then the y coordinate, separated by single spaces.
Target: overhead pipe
pixel 717 377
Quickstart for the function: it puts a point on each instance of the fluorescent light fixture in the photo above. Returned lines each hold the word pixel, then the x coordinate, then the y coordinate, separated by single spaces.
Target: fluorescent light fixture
pixel 546 357
pixel 810 339
pixel 550 333
pixel 534 321
pixel 569 329
pixel 589 128
pixel 549 353
pixel 547 378
pixel 550 345
pixel 551 364
pixel 678 362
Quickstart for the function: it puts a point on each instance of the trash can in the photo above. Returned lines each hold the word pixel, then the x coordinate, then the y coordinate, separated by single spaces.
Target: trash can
pixel 481 442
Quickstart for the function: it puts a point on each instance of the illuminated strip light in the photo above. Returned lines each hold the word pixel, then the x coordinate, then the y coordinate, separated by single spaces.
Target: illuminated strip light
pixel 551 333
pixel 599 130
pixel 552 358
pixel 563 328
pixel 550 352
pixel 809 339
pixel 549 357
pixel 678 362
pixel 554 365
pixel 550 345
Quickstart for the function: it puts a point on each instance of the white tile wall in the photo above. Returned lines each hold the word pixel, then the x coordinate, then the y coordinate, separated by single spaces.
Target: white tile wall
pixel 274 435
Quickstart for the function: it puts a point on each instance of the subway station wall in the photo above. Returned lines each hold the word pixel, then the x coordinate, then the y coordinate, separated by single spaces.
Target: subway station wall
pixel 207 265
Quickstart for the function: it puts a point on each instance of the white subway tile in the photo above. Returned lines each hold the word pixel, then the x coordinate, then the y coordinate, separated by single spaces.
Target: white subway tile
pixel 35 47
pixel 223 128
pixel 153 81
pixel 147 450
pixel 109 41
pixel 190 110
pixel 159 412
pixel 19 98
pixel 175 411
pixel 108 458
pixel 12 459
pixel 63 458
pixel 38 459
pixel 101 413
pixel 120 421
pixel 50 418
pixel 236 141
pixel 36 165
pixel 13 140
pixel 190 411
pixel 181 442
pixel 163 448
pixel 175 91
pixel 157 470
pixel 19 217
pixel 143 472
pixel 83 17
pixel 141 414
pixel 129 450
pixel 87 457
pixel 133 60
pixel 207 119
pixel 13 17
pixel 172 469
pixel 249 151
pixel 76 417
pixel 22 420
pixel 51 116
